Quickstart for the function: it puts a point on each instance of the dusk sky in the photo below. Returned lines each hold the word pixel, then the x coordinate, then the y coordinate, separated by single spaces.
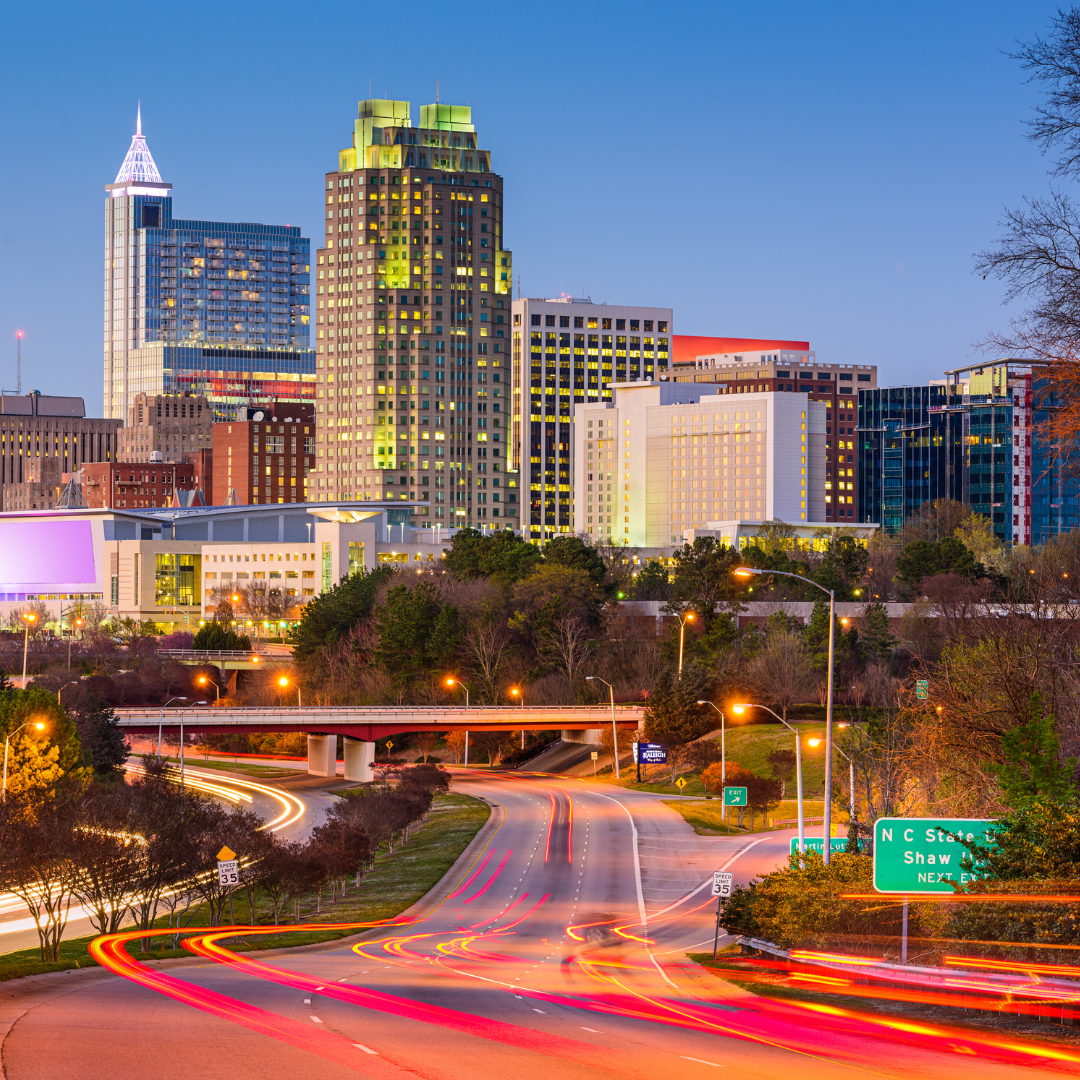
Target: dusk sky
pixel 792 170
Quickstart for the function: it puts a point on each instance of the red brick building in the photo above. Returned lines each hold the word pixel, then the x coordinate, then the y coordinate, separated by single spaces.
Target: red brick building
pixel 202 461
pixel 265 456
pixel 123 486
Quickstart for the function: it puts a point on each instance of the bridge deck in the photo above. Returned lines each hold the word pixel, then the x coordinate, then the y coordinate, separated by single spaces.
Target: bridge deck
pixel 375 723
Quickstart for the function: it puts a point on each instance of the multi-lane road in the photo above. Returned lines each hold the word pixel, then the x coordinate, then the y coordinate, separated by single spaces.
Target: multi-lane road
pixel 556 948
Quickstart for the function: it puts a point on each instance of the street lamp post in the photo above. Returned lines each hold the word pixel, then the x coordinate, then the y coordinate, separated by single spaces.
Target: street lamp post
pixel 747 571
pixel 516 693
pixel 614 731
pixel 7 742
pixel 451 681
pixel 723 757
pixel 283 682
pixel 63 688
pixel 161 719
pixel 683 620
pixel 182 741
pixel 71 634
pixel 28 618
pixel 798 768
pixel 851 777
pixel 203 680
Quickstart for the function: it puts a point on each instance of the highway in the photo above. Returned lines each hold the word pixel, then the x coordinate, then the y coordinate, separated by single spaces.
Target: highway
pixel 555 947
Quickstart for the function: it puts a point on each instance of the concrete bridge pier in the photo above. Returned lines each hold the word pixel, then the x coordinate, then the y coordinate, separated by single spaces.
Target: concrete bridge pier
pixel 322 755
pixel 359 759
pixel 588 736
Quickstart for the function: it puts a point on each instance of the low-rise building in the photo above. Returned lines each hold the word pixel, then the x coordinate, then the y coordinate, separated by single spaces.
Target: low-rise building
pixel 135 485
pixel 264 456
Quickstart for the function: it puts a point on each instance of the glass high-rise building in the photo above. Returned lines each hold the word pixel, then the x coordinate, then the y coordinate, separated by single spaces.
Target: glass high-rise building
pixel 220 309
pixel 973 437
pixel 412 312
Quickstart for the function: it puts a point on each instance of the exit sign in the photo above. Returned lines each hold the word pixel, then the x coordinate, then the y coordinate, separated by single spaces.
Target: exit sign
pixel 923 855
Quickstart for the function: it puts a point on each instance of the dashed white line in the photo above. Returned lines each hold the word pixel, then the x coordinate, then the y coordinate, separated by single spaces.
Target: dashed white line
pixel 316 1020
pixel 701 1061
pixel 540 1011
pixel 366 1049
pixel 593 1030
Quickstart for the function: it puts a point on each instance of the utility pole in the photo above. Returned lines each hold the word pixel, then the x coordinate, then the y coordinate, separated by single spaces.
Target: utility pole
pixel 18 361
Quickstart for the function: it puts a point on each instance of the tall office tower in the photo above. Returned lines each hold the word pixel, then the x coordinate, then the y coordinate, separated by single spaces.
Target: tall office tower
pixel 576 350
pixel 213 308
pixel 787 370
pixel 974 437
pixel 664 458
pixel 412 314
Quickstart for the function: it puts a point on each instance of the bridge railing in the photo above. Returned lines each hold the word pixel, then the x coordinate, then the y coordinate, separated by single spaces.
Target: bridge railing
pixel 508 711
pixel 210 655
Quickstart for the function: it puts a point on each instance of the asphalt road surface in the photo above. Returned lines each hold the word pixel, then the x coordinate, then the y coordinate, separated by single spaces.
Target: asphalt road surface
pixel 555 948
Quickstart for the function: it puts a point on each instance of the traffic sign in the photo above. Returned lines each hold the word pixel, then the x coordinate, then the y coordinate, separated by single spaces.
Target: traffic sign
pixel 650 753
pixel 680 783
pixel 923 855
pixel 721 883
pixel 734 796
pixel 594 755
pixel 226 853
pixel 817 843
pixel 922 688
pixel 389 745
pixel 228 872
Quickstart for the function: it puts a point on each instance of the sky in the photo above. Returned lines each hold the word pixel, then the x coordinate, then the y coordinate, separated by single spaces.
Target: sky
pixel 819 172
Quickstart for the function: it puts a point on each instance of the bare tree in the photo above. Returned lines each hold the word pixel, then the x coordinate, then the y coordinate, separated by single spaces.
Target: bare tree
pixel 569 641
pixel 485 646
pixel 782 673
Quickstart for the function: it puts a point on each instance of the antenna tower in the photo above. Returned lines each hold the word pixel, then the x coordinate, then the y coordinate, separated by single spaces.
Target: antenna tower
pixel 18 361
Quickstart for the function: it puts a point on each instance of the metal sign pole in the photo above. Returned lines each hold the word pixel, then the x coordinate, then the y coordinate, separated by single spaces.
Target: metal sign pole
pixel 903 934
pixel 716 936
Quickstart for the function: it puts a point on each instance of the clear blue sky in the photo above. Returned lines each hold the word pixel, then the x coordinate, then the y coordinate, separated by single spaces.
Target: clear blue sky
pixel 813 171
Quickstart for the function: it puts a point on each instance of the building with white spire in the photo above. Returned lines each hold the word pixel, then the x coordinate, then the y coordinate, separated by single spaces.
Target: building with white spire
pixel 219 309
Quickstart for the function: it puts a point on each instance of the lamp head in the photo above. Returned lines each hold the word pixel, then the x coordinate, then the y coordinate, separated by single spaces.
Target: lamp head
pixel 202 680
pixel 590 678
pixel 704 703
pixel 283 681
pixel 813 742
pixel 689 616
pixel 745 571
pixel 40 726
pixel 449 681
pixel 738 709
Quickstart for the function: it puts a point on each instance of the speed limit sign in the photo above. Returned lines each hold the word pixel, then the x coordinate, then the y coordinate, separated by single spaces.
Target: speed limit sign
pixel 228 872
pixel 721 883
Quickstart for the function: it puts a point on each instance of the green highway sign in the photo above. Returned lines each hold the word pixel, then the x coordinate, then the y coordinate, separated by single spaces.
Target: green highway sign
pixel 817 843
pixel 734 796
pixel 922 688
pixel 917 855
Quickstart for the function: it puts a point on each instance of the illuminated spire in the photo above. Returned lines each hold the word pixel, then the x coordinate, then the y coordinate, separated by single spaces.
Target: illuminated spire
pixel 138 166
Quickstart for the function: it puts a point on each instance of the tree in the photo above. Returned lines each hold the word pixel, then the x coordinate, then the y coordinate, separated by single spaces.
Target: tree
pixel 455 743
pixel 572 551
pixel 717 777
pixel 37 760
pixel 99 734
pixel 214 636
pixel 922 559
pixel 652 582
pixel 418 634
pixel 977 534
pixel 776 536
pixel 1032 770
pixel 843 567
pixel 878 642
pixel 782 674
pixel 426 741
pixel 485 645
pixel 702 576
pixel 330 616
pixel 934 520
pixel 782 765
pixel 501 555
pixel 672 715
pixel 763 794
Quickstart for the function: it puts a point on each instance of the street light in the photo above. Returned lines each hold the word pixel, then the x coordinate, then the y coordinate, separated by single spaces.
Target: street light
pixel 28 618
pixel 516 693
pixel 63 688
pixel 723 756
pixel 851 773
pixel 161 718
pixel 182 741
pixel 683 620
pixel 203 680
pixel 283 682
pixel 451 681
pixel 7 742
pixel 748 571
pixel 614 732
pixel 739 710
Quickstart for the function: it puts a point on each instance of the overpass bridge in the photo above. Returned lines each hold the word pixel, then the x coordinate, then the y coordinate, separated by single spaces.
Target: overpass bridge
pixel 361 726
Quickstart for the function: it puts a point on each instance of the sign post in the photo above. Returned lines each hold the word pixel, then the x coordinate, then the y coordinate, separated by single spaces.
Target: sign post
pixel 721 887
pixel 594 755
pixel 228 874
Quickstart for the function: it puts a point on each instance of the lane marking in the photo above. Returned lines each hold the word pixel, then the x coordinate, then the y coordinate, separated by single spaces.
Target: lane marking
pixel 708 881
pixel 366 1049
pixel 593 1030
pixel 540 1011
pixel 316 1020
pixel 701 1061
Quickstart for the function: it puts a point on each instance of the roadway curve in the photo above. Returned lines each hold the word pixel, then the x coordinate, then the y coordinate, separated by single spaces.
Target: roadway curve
pixel 487 982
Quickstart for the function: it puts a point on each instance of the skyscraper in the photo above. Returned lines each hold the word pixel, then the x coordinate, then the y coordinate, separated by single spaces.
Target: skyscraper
pixel 412 317
pixel 213 308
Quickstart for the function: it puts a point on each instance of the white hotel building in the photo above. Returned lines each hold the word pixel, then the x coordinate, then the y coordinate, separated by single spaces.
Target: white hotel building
pixel 662 459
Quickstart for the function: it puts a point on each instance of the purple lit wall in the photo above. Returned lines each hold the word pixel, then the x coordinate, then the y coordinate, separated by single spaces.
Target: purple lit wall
pixel 37 554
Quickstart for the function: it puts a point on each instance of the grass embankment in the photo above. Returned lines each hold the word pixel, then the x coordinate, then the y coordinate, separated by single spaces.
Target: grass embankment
pixel 705 816
pixel 743 972
pixel 397 882
pixel 270 772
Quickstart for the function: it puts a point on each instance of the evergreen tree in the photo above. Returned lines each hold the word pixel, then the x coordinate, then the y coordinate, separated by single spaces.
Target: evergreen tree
pixel 102 740
pixel 502 556
pixel 1031 771
pixel 332 614
pixel 878 642
pixel 418 633
pixel 672 715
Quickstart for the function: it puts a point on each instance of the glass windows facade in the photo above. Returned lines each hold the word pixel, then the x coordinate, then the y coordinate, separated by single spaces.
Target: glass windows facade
pixel 176 579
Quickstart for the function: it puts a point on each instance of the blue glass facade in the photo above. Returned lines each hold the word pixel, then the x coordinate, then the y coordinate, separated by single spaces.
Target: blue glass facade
pixel 974 438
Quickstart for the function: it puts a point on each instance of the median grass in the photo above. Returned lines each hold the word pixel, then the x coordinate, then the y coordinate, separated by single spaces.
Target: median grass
pixel 398 880
pixel 706 819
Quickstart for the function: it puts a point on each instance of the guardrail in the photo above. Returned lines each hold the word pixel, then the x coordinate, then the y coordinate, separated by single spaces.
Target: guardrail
pixel 210 655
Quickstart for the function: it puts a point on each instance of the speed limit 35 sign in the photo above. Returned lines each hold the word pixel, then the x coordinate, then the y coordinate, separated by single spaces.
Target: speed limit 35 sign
pixel 721 883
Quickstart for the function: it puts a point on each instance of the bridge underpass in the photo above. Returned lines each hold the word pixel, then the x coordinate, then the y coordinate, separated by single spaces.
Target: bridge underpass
pixel 361 727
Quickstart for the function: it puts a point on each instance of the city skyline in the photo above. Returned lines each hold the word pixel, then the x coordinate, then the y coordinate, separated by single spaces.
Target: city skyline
pixel 861 246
